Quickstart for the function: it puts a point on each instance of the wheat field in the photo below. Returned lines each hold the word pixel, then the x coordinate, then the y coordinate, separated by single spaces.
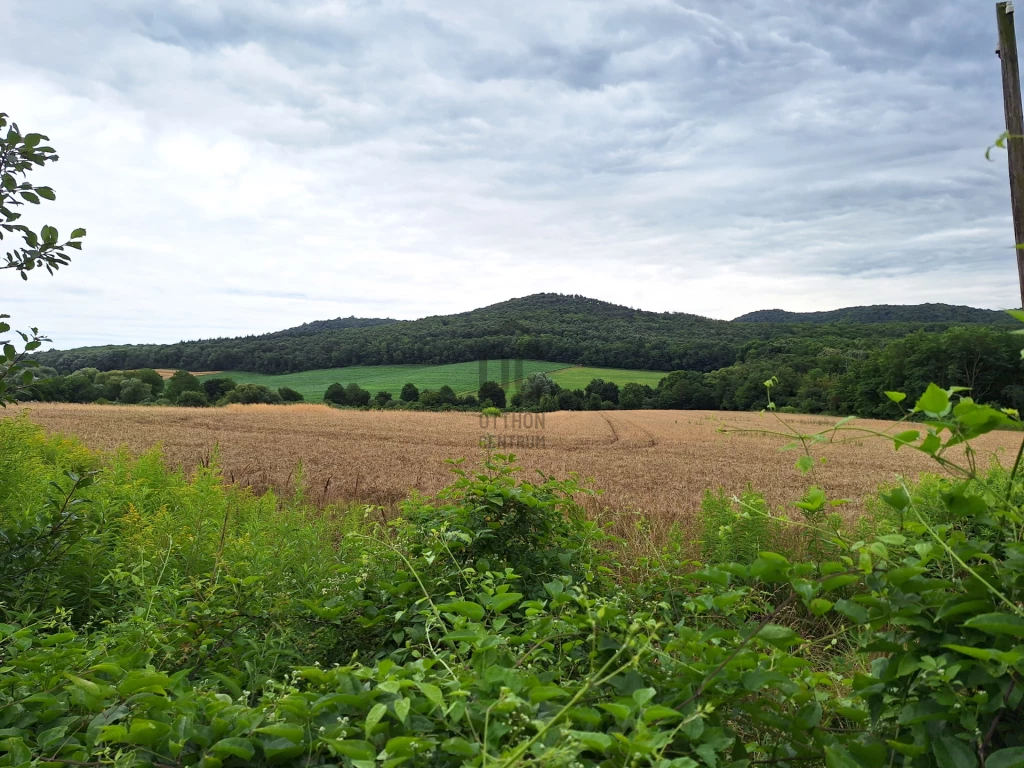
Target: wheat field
pixel 655 464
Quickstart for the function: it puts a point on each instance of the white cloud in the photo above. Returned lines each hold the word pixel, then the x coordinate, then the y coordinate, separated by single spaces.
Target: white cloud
pixel 247 165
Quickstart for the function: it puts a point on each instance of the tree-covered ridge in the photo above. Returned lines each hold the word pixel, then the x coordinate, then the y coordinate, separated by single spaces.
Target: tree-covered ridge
pixel 569 329
pixel 884 313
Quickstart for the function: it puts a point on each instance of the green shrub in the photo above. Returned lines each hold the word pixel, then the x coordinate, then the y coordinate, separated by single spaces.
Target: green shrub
pixel 735 529
pixel 289 395
pixel 193 399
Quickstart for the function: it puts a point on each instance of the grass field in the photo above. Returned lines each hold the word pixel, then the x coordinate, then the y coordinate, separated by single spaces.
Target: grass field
pixel 578 377
pixel 462 377
pixel 653 463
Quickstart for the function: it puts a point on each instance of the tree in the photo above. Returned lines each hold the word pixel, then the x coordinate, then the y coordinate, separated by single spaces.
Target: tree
pixel 289 395
pixel 181 381
pixel 192 399
pixel 252 394
pixel 134 391
pixel 535 387
pixel 216 388
pixel 19 154
pixel 606 390
pixel 447 395
pixel 335 394
pixel 147 375
pixel 382 397
pixel 356 395
pixel 633 395
pixel 429 398
pixel 79 388
pixel 491 390
pixel 410 394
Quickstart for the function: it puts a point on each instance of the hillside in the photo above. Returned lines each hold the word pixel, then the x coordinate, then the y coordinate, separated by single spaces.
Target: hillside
pixel 885 313
pixel 566 329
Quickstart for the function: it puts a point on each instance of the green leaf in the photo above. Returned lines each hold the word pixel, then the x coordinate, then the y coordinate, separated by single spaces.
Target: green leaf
pixel 1013 757
pixel 905 438
pixel 78 233
pixel 953 753
pixel 805 464
pixel 779 636
pixel 373 717
pixel 819 606
pixel 595 742
pixel 838 582
pixel 896 397
pixel 352 748
pixel 839 757
pixel 234 746
pixel 934 401
pixel 465 608
pixel 459 746
pixel 432 692
pixel 140 680
pixel 402 709
pixel 294 733
pixel 46 193
pixel 997 624
pixel 545 693
pixel 147 732
pixel 500 603
pixel 658 712
pixel 618 711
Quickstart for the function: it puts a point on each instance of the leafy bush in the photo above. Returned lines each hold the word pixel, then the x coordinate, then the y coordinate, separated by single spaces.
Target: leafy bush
pixel 289 395
pixel 252 394
pixel 193 399
pixel 181 381
pixel 410 394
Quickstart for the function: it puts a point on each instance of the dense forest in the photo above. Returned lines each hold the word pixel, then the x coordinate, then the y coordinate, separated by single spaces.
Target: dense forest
pixel 810 375
pixel 884 313
pixel 571 329
pixel 837 366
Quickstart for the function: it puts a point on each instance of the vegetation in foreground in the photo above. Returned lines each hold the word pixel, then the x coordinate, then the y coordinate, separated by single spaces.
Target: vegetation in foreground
pixel 152 620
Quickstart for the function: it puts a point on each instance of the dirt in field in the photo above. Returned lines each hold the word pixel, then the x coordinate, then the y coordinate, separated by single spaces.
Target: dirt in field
pixel 653 463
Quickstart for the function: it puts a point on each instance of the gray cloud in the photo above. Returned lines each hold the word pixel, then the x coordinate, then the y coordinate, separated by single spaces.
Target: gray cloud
pixel 246 165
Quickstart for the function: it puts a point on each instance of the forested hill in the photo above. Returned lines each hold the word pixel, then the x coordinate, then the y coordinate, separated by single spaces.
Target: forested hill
pixel 886 313
pixel 559 328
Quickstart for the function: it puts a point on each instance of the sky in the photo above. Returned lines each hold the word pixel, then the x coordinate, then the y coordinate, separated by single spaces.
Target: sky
pixel 243 166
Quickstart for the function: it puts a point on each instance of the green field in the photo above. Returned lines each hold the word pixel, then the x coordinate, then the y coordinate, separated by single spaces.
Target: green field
pixel 577 377
pixel 462 377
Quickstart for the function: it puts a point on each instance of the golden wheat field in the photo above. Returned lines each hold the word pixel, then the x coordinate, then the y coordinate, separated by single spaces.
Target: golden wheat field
pixel 653 463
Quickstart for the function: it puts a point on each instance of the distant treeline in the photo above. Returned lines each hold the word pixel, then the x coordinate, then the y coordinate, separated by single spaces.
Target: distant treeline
pixel 811 379
pixel 567 329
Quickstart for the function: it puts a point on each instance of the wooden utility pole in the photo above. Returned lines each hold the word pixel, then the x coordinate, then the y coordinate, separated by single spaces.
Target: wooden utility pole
pixel 1007 52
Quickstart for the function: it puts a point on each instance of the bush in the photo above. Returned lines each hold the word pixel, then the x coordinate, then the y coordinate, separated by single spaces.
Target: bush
pixel 289 395
pixel 381 398
pixel 192 399
pixel 134 391
pixel 181 381
pixel 252 394
pixel 335 394
pixel 410 394
pixel 217 387
pixel 491 390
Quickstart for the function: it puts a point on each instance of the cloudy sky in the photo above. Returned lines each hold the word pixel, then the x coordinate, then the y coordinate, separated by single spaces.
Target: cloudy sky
pixel 247 165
